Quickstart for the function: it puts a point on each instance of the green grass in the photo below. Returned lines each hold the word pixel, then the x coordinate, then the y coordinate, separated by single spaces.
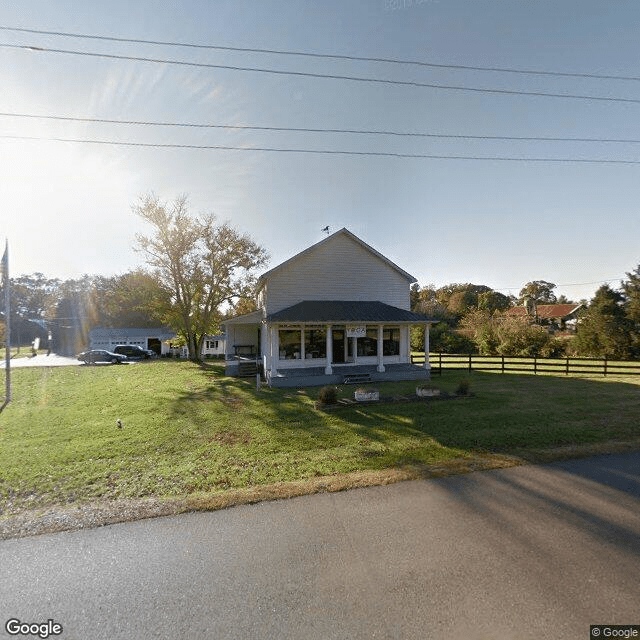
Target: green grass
pixel 190 431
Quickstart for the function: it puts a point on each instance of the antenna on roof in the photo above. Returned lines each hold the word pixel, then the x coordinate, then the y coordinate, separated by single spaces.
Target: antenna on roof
pixel 325 230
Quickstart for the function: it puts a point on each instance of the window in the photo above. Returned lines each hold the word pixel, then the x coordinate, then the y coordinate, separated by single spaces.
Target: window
pixel 368 345
pixel 391 341
pixel 290 343
pixel 315 343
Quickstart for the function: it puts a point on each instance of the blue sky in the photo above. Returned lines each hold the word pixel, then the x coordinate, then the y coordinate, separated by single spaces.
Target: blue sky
pixel 66 207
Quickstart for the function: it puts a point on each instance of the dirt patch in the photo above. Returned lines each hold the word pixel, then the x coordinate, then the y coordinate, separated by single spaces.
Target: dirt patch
pixel 233 402
pixel 231 437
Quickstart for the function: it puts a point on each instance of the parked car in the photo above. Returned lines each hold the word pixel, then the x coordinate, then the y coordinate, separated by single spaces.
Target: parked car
pixel 100 355
pixel 134 352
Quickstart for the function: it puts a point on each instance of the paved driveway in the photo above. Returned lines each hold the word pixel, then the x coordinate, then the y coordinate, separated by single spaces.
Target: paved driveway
pixel 52 360
pixel 517 554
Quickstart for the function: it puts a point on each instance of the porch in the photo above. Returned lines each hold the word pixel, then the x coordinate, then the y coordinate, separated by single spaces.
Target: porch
pixel 362 374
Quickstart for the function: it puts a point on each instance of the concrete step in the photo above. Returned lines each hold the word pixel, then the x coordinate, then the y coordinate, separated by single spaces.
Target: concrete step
pixel 246 369
pixel 357 378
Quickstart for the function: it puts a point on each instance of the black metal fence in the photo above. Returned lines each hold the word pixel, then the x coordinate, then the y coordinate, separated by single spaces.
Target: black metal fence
pixel 531 365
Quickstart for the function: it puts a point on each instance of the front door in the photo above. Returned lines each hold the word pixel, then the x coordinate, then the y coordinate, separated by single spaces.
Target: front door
pixel 338 345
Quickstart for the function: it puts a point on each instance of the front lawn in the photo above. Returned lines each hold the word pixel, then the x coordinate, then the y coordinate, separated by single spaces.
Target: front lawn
pixel 190 432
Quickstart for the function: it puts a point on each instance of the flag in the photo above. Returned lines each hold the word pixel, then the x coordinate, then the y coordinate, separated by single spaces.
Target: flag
pixel 7 324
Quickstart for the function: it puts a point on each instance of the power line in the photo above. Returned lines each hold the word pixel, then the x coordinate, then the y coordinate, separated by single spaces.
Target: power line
pixel 321 151
pixel 307 74
pixel 331 56
pixel 570 284
pixel 314 130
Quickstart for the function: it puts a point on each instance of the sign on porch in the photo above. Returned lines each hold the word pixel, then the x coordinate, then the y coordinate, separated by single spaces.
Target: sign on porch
pixel 356 331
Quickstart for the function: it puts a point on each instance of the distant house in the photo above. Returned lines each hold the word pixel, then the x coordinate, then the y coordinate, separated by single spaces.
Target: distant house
pixel 338 311
pixel 558 316
pixel 157 339
pixel 213 345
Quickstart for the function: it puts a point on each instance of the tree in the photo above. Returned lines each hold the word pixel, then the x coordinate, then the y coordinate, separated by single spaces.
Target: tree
pixel 74 314
pixel 133 299
pixel 604 330
pixel 493 301
pixel 199 265
pixel 540 291
pixel 33 297
pixel 631 290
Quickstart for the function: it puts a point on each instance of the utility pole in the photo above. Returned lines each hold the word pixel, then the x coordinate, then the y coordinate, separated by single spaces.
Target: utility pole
pixel 7 320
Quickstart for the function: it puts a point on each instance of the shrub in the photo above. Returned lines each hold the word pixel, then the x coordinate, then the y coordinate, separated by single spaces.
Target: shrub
pixel 328 395
pixel 463 388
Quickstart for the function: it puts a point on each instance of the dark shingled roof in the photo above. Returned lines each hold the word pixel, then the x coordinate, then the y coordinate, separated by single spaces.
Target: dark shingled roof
pixel 343 311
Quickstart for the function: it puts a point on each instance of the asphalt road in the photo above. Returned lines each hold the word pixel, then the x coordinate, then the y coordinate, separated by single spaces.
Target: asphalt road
pixel 519 554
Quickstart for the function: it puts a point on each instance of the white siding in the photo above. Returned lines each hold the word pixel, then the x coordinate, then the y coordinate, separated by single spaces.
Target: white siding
pixel 338 270
pixel 241 334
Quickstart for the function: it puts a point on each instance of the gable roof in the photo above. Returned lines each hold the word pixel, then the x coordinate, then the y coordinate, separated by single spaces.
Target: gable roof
pixel 313 247
pixel 546 310
pixel 346 311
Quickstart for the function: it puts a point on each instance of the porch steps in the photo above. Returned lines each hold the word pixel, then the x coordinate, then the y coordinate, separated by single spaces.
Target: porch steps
pixel 247 369
pixel 357 378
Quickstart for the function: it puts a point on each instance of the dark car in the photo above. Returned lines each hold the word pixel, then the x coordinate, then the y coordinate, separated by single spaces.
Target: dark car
pixel 96 356
pixel 134 352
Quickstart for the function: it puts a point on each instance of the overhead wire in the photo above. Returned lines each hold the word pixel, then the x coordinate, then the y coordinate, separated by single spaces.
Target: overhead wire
pixel 332 56
pixel 321 151
pixel 314 130
pixel 328 76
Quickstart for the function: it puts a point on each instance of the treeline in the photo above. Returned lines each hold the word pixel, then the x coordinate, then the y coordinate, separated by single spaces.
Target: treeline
pixel 61 312
pixel 67 310
pixel 472 319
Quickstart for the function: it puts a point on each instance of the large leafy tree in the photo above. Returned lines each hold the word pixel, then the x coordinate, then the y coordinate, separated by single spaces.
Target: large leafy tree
pixel 198 264
pixel 631 291
pixel 133 299
pixel 540 291
pixel 33 298
pixel 605 329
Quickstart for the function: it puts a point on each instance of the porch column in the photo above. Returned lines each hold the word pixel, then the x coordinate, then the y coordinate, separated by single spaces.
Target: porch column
pixel 303 355
pixel 275 353
pixel 380 351
pixel 427 365
pixel 228 339
pixel 328 370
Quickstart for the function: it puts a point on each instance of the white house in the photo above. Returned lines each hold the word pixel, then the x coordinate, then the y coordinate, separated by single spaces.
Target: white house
pixel 157 339
pixel 337 312
pixel 213 345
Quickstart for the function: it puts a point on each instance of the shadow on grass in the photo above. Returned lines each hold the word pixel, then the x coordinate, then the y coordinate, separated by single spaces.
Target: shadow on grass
pixel 507 414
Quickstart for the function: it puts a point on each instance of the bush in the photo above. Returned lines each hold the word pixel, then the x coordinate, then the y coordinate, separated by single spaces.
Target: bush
pixel 463 388
pixel 328 395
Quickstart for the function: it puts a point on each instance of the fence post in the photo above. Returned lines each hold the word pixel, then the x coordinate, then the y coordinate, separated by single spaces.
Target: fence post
pixel 502 364
pixel 567 367
pixel 605 365
pixel 535 366
pixel 469 363
pixel 440 362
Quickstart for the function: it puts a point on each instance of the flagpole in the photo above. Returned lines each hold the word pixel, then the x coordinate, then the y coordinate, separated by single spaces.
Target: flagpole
pixel 7 321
